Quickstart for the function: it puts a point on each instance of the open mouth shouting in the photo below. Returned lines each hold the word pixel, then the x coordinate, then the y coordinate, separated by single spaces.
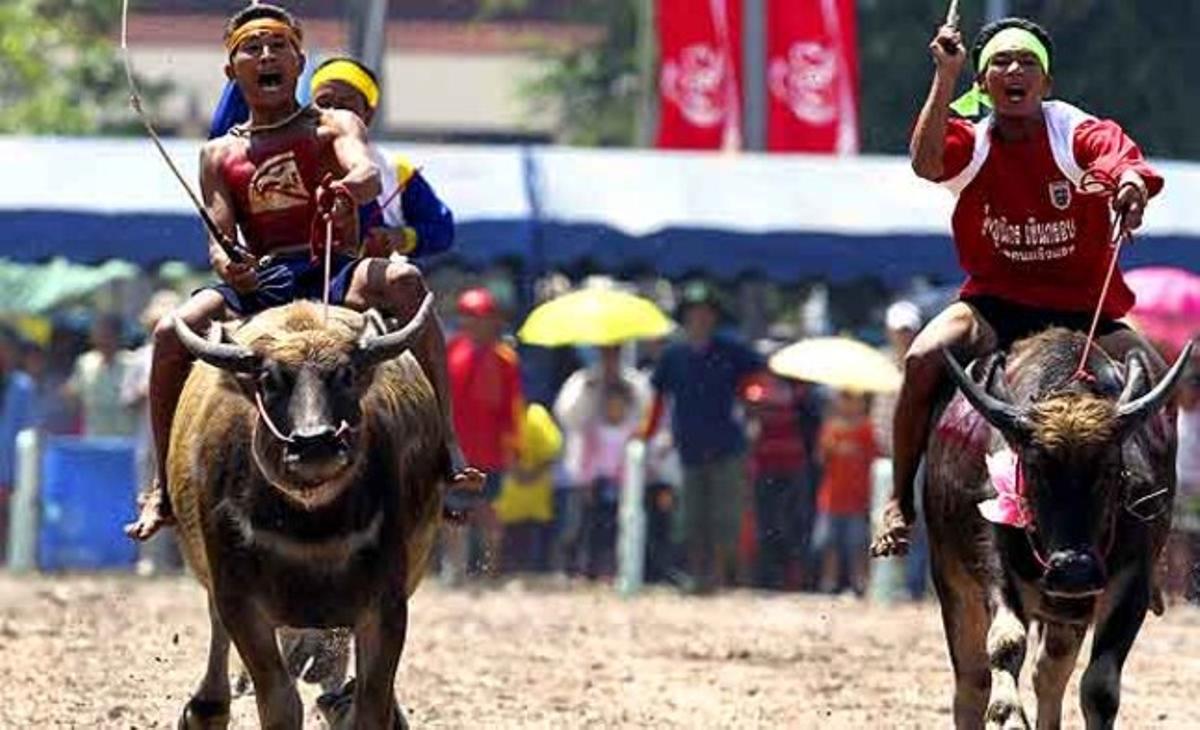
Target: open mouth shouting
pixel 1015 93
pixel 270 80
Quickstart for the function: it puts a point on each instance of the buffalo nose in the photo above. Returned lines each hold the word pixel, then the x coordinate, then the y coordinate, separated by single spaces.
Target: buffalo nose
pixel 1074 573
pixel 314 443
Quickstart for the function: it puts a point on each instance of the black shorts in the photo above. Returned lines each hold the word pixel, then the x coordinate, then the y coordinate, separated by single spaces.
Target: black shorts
pixel 288 279
pixel 1012 322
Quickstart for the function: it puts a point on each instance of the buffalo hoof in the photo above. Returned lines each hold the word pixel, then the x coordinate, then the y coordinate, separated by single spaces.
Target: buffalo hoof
pixel 1006 716
pixel 204 715
pixel 337 709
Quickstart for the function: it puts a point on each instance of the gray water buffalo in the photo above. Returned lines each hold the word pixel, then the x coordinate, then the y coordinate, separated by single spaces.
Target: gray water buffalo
pixel 305 466
pixel 1089 493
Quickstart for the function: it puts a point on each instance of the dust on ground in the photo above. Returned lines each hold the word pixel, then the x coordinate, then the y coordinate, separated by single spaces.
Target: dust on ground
pixel 124 652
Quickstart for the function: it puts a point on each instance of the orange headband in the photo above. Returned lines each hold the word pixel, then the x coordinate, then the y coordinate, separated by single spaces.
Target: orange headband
pixel 270 25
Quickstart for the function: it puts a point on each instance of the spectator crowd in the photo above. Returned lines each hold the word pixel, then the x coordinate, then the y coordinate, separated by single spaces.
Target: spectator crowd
pixel 751 479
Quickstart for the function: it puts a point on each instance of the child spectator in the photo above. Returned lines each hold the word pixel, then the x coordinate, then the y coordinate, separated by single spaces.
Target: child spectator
pixel 778 463
pixel 847 449
pixel 526 503
pixel 601 469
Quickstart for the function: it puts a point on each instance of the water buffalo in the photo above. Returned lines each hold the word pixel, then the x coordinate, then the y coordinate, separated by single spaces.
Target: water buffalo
pixel 1090 483
pixel 304 468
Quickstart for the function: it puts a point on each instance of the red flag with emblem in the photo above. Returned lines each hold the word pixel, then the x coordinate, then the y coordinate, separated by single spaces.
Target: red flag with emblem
pixel 700 52
pixel 812 76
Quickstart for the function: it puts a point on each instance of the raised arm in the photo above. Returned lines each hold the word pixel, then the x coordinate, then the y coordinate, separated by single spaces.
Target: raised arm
pixel 362 178
pixel 928 145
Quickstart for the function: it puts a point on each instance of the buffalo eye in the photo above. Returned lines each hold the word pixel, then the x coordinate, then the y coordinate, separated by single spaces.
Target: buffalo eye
pixel 344 378
pixel 276 380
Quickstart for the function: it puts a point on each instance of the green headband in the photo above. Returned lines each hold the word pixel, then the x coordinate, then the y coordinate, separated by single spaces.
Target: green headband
pixel 1010 39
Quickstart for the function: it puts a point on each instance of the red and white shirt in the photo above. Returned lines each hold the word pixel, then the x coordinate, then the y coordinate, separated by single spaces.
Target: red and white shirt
pixel 1023 229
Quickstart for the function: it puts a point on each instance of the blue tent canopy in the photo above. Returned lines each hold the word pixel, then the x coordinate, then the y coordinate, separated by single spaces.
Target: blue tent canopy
pixel 783 217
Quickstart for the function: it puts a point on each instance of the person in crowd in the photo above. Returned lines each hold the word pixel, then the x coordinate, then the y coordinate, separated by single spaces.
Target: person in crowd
pixel 664 479
pixel 49 368
pixel 525 506
pixel 580 409
pixel 902 322
pixel 601 471
pixel 782 493
pixel 17 413
pixel 847 451
pixel 701 377
pixel 97 378
pixel 485 383
pixel 1183 580
pixel 160 552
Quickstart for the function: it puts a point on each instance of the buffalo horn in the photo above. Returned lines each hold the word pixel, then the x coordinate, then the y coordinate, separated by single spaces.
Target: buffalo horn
pixel 1131 415
pixel 216 352
pixel 374 349
pixel 1001 414
pixel 1136 374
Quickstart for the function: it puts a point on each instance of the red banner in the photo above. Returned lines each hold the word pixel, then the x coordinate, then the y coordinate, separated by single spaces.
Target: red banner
pixel 812 76
pixel 700 51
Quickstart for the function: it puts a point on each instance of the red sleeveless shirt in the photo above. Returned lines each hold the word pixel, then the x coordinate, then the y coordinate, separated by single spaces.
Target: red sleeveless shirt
pixel 274 181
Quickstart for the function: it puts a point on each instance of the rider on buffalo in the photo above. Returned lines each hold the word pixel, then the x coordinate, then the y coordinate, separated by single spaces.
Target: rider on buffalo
pixel 1035 182
pixel 278 180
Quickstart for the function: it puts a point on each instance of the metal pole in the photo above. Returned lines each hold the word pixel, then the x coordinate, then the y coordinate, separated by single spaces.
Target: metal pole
pixel 368 39
pixel 647 120
pixel 996 9
pixel 754 74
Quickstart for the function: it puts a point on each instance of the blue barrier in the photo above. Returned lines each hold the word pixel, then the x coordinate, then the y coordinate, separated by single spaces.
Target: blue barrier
pixel 88 490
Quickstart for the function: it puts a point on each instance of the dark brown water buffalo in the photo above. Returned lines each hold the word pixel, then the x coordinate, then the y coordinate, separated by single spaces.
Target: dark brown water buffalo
pixel 1094 475
pixel 304 469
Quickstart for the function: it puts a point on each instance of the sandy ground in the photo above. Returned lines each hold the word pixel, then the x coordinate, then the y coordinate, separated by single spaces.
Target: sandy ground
pixel 121 652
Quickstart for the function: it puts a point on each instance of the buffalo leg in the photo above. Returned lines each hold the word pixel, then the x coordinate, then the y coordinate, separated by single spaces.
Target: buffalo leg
pixel 1058 645
pixel 379 642
pixel 209 707
pixel 279 706
pixel 1115 632
pixel 965 620
pixel 1006 654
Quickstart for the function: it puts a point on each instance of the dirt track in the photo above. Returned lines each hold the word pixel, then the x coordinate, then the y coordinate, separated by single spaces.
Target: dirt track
pixel 115 652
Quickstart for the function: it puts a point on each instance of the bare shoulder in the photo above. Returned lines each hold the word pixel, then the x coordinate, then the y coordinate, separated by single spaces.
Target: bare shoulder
pixel 215 151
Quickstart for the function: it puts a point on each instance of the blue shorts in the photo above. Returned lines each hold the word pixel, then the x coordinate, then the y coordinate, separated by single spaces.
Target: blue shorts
pixel 289 278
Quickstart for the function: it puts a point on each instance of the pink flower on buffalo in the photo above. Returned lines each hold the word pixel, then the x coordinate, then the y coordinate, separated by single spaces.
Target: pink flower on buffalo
pixel 1008 507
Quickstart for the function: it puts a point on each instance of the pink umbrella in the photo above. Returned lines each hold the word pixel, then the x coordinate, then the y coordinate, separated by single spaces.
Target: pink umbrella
pixel 1168 304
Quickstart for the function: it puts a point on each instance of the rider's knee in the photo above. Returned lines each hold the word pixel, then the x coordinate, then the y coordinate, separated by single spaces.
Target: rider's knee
pixel 166 341
pixel 922 365
pixel 405 277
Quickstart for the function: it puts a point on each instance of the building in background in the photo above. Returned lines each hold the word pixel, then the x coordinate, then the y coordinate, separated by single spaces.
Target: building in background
pixel 451 73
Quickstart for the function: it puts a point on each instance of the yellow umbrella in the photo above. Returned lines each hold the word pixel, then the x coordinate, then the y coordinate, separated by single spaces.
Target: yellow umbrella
pixel 594 317
pixel 839 362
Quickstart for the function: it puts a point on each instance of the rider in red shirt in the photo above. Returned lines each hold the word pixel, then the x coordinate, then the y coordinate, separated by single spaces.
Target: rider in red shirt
pixel 1036 182
pixel 278 180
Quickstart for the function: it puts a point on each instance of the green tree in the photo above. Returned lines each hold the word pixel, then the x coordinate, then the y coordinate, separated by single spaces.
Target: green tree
pixel 59 70
pixel 595 89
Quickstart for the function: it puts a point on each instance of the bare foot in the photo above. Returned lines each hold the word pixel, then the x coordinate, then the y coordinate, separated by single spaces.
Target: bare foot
pixel 462 475
pixel 893 537
pixel 154 514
